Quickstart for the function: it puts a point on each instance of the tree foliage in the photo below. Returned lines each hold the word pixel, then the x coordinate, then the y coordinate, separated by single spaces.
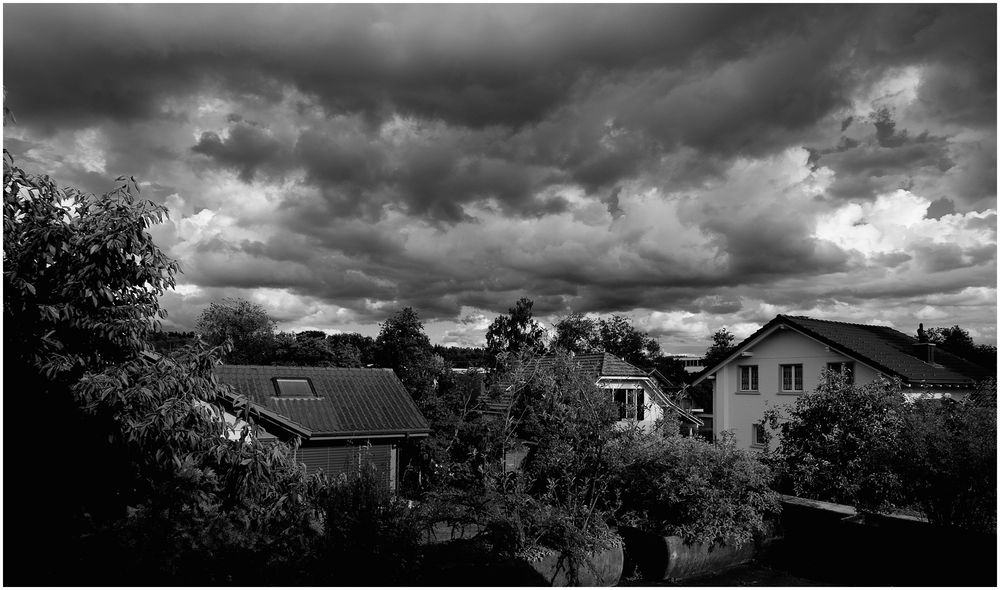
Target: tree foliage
pixel 620 338
pixel 347 344
pixel 82 278
pixel 867 446
pixel 946 459
pixel 723 343
pixel 703 492
pixel 510 335
pixel 958 342
pixel 578 334
pixel 82 275
pixel 198 500
pixel 403 347
pixel 244 324
pixel 834 442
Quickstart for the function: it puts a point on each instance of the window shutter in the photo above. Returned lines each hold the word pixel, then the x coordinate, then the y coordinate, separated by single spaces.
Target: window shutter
pixel 640 405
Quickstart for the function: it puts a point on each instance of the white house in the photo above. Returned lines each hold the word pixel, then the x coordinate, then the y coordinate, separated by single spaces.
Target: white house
pixel 784 360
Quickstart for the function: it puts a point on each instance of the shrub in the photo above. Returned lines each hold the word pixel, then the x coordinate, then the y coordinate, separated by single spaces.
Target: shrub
pixel 703 492
pixel 835 443
pixel 370 536
pixel 947 459
pixel 869 447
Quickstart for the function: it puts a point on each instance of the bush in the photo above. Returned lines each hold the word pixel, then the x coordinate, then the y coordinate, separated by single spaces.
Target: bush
pixel 869 447
pixel 835 443
pixel 371 537
pixel 703 492
pixel 947 459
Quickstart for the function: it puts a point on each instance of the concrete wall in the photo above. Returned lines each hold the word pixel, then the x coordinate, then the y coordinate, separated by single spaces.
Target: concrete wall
pixel 832 544
pixel 738 410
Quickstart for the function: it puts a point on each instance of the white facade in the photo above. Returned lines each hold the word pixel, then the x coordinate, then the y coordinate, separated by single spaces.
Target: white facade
pixel 775 369
pixel 738 406
pixel 629 388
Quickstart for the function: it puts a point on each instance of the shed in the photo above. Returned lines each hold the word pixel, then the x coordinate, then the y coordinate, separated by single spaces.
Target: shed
pixel 344 417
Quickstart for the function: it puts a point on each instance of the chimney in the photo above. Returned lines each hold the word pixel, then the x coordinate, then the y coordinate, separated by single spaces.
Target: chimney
pixel 924 351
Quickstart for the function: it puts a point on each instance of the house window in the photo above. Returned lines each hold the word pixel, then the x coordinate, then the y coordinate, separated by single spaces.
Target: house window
pixel 845 368
pixel 759 436
pixel 631 404
pixel 748 377
pixel 791 377
pixel 293 387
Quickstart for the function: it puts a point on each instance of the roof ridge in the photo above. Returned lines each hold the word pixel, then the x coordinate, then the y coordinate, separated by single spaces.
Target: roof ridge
pixel 307 367
pixel 841 322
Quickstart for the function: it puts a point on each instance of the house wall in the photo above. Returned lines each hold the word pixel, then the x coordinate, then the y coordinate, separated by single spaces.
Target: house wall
pixel 653 411
pixel 738 411
pixel 334 458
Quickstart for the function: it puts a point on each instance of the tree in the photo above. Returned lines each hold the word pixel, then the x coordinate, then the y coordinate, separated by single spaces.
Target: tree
pixel 300 350
pixel 353 346
pixel 723 343
pixel 620 338
pixel 578 334
pixel 81 277
pixel 403 347
pixel 958 342
pixel 246 325
pixel 193 500
pixel 511 334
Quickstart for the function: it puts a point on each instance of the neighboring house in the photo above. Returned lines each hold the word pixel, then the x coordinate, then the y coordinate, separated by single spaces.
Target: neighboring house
pixel 784 359
pixel 691 364
pixel 345 418
pixel 640 399
pixel 688 399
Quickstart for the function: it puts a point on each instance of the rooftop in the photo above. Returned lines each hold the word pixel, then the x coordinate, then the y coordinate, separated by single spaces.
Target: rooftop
pixel 346 402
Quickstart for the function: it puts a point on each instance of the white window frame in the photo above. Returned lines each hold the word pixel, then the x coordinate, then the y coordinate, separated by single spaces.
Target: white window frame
pixel 753 378
pixel 631 405
pixel 797 378
pixel 755 429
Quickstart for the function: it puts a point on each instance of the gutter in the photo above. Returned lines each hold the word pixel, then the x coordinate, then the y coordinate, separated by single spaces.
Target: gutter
pixel 364 434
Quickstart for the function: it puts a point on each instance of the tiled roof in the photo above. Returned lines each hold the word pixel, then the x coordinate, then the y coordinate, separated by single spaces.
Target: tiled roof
pixel 881 347
pixel 347 402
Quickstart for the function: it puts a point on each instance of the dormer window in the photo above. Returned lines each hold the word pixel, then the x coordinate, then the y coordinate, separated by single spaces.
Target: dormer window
pixel 293 387
pixel 631 404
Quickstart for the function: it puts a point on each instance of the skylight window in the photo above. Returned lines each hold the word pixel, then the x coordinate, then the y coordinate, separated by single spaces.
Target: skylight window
pixel 294 388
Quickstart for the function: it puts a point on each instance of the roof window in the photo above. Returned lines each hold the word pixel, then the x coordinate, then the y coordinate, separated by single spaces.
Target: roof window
pixel 291 387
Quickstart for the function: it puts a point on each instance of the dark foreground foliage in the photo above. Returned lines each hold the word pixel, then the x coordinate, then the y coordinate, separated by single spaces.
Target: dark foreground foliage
pixel 871 447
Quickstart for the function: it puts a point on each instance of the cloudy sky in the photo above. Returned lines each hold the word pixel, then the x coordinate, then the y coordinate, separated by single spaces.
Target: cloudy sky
pixel 690 166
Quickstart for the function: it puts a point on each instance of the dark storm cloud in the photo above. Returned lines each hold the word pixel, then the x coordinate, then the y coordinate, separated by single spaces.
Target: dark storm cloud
pixel 773 246
pixel 247 148
pixel 389 121
pixel 723 80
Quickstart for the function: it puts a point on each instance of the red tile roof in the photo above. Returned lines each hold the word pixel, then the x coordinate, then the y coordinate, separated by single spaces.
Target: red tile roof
pixel 348 402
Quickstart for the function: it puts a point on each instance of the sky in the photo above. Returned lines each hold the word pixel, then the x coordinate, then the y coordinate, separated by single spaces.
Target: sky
pixel 691 167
